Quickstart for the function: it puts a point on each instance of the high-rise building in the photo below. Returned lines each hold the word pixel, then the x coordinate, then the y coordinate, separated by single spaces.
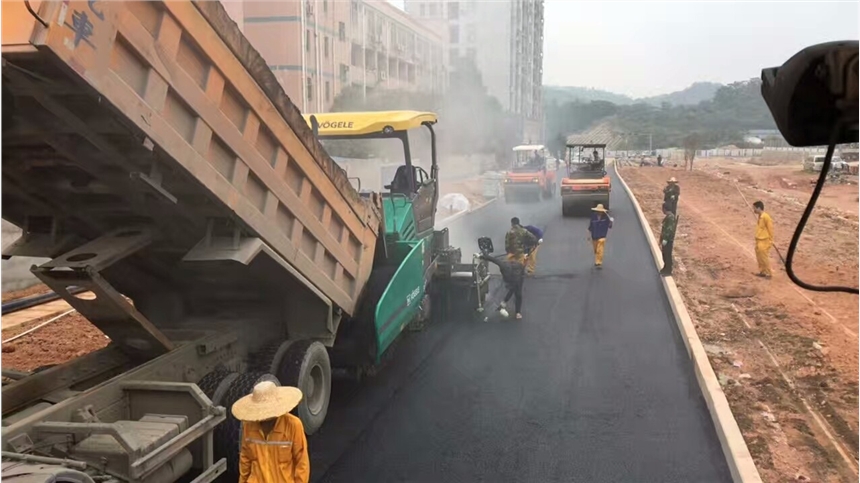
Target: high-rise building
pixel 504 38
pixel 316 48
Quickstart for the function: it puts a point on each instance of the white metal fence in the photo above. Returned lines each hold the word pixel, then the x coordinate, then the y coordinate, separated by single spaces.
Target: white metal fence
pixel 725 153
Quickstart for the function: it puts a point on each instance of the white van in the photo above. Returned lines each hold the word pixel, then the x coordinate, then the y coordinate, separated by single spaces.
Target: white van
pixel 817 162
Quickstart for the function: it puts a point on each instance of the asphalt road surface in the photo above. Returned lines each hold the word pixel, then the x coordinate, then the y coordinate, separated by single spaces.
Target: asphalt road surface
pixel 594 385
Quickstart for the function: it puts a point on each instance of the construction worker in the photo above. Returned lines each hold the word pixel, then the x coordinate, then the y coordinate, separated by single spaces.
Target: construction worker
pixel 763 240
pixel 599 229
pixel 667 238
pixel 532 248
pixel 513 273
pixel 671 193
pixel 274 448
pixel 516 240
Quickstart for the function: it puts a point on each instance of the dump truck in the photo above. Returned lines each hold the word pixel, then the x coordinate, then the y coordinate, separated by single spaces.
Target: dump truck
pixel 191 215
pixel 529 177
pixel 586 184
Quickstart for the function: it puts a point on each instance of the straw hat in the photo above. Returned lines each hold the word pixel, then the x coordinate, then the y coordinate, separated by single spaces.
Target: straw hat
pixel 266 402
pixel 600 208
pixel 672 180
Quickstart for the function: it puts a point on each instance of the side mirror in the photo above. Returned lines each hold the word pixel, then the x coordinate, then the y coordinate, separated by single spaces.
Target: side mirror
pixel 388 186
pixel 813 91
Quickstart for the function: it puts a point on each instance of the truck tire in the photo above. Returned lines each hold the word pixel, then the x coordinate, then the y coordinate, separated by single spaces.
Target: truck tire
pixel 228 435
pixel 269 358
pixel 565 210
pixel 306 366
pixel 216 383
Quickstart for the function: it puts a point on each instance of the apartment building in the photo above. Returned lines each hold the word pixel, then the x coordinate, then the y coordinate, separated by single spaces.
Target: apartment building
pixel 316 48
pixel 504 38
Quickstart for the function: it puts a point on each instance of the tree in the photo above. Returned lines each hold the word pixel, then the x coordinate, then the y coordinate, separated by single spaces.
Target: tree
pixel 691 145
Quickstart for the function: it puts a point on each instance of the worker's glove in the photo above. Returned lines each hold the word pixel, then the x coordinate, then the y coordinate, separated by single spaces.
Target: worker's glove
pixel 540 241
pixel 664 243
pixel 611 219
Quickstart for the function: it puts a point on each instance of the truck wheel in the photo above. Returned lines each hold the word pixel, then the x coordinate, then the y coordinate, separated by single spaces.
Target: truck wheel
pixel 565 211
pixel 228 435
pixel 306 366
pixel 269 358
pixel 216 383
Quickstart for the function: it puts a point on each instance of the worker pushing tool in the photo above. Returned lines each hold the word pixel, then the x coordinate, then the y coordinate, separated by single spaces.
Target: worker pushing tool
pixel 274 448
pixel 513 274
pixel 516 241
pixel 599 229
pixel 532 248
pixel 763 240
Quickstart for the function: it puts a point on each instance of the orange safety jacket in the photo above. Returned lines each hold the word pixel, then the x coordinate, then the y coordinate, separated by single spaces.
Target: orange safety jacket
pixel 280 457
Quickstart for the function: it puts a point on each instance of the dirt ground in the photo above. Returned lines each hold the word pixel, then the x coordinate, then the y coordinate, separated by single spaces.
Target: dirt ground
pixel 790 182
pixel 69 337
pixel 37 289
pixel 787 358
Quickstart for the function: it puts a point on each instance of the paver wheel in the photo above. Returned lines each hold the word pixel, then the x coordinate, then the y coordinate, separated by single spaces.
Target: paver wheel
pixel 228 435
pixel 306 366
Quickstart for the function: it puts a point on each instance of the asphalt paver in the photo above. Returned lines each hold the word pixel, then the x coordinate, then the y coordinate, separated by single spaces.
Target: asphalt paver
pixel 593 385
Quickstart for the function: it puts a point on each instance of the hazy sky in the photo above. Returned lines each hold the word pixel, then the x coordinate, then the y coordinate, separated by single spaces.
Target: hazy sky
pixel 645 48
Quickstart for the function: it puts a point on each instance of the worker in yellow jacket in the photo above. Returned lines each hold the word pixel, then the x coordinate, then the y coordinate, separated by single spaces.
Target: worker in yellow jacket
pixel 763 240
pixel 274 448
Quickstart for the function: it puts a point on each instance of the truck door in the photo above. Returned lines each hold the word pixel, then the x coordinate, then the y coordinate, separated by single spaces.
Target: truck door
pixel 424 210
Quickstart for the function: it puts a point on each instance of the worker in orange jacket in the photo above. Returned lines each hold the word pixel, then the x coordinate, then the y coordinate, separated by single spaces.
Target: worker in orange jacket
pixel 274 447
pixel 763 240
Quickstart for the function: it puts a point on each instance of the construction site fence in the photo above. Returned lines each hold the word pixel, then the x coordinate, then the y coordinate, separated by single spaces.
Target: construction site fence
pixel 723 153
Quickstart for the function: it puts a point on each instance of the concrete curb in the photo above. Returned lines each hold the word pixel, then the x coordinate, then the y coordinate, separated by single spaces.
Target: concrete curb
pixel 732 441
pixel 451 219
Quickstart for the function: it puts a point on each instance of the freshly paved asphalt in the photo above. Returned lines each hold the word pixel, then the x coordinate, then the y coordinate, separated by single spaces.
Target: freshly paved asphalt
pixel 593 385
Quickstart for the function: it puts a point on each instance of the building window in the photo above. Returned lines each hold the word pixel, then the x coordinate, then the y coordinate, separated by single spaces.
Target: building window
pixel 325 46
pixel 341 31
pixel 432 9
pixel 471 53
pixel 453 11
pixel 327 91
pixel 310 89
pixel 452 55
pixel 422 9
pixel 470 33
pixel 325 6
pixel 454 34
pixel 307 40
pixel 344 73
